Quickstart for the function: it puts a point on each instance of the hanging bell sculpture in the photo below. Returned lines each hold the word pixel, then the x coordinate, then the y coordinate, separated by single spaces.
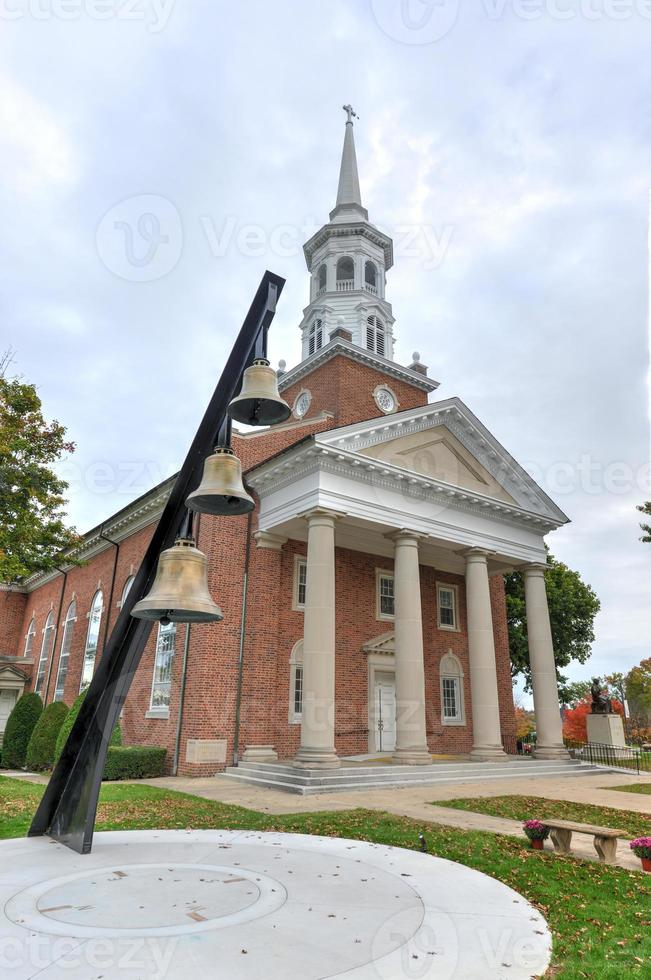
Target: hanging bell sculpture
pixel 259 402
pixel 180 590
pixel 221 490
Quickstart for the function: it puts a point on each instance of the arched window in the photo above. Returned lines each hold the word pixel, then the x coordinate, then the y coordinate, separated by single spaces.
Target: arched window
pixel 322 278
pixel 92 639
pixel 162 682
pixel 452 705
pixel 315 336
pixel 125 590
pixel 296 684
pixel 46 651
pixel 370 276
pixel 29 638
pixel 64 655
pixel 345 274
pixel 375 337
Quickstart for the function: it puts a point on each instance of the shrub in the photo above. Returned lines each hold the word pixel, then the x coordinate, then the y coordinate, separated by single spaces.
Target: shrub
pixel 134 762
pixel 20 725
pixel 71 717
pixel 42 744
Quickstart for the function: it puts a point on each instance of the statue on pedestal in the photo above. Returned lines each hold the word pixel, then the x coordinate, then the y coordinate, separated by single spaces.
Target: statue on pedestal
pixel 601 702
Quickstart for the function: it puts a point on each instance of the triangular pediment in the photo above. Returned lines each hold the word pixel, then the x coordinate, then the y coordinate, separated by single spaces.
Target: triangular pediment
pixel 386 643
pixel 439 455
pixel 445 443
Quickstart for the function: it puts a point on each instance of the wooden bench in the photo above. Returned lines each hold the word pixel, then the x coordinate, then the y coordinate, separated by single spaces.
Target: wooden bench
pixel 605 839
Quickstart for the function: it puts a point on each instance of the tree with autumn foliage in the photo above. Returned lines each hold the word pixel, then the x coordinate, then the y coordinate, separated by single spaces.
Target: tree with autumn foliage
pixel 524 723
pixel 575 725
pixel 33 531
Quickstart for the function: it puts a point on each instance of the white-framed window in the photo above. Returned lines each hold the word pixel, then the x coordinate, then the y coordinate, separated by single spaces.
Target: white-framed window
pixel 375 338
pixel 322 279
pixel 162 682
pixel 446 602
pixel 296 684
pixel 125 591
pixel 46 651
pixel 300 582
pixel 29 638
pixel 452 702
pixel 66 646
pixel 92 639
pixel 315 336
pixel 385 595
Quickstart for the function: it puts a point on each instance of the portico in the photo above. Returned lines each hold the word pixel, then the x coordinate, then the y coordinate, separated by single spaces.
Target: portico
pixel 331 492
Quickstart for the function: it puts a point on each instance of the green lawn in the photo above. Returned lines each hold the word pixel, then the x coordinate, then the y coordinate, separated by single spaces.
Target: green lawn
pixel 534 807
pixel 644 788
pixel 599 915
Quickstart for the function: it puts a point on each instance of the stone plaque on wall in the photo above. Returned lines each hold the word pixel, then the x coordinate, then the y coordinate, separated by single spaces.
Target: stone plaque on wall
pixel 206 750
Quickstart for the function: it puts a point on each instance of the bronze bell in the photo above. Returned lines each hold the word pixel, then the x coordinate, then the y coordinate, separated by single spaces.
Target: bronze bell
pixel 259 402
pixel 221 490
pixel 180 590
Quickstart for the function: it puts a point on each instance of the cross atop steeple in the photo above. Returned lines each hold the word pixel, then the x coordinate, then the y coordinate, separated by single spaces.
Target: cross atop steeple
pixel 350 112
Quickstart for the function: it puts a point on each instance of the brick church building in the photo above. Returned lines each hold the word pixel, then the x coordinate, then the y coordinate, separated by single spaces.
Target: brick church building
pixel 363 600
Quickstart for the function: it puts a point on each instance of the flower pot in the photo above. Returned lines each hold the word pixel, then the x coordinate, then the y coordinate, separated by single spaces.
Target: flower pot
pixel 646 864
pixel 538 844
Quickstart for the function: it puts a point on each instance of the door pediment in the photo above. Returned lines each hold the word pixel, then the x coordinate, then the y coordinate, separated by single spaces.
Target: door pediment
pixel 438 454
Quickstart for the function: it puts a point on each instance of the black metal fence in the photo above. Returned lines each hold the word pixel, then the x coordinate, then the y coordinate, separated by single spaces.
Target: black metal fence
pixel 616 756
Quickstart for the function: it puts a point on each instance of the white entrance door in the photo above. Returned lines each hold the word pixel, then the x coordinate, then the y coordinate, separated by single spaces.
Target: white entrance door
pixel 7 701
pixel 385 714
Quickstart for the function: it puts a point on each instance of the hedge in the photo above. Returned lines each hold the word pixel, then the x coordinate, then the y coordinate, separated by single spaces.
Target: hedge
pixel 134 762
pixel 71 717
pixel 20 725
pixel 42 744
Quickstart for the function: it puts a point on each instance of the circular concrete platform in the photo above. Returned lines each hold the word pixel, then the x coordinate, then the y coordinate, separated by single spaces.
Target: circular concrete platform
pixel 231 904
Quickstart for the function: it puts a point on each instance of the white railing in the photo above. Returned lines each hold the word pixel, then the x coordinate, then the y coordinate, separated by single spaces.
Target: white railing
pixel 371 288
pixel 321 290
pixel 345 285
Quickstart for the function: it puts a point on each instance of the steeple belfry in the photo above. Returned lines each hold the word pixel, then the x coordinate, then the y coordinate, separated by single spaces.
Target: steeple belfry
pixel 348 259
pixel 349 197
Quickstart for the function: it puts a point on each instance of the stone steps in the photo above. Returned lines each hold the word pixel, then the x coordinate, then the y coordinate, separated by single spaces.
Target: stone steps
pixel 282 776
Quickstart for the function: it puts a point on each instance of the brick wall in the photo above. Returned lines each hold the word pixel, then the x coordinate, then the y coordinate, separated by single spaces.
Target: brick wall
pixel 12 616
pixel 344 388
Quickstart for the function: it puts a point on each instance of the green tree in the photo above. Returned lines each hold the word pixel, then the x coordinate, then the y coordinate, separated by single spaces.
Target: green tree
pixel 573 692
pixel 20 725
pixel 573 606
pixel 638 690
pixel 33 532
pixel 646 509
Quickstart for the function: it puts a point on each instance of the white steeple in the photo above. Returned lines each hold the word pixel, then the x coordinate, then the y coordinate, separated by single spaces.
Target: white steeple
pixel 348 259
pixel 349 197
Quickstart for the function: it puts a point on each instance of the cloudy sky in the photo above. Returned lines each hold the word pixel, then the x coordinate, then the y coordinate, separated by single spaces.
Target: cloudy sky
pixel 157 155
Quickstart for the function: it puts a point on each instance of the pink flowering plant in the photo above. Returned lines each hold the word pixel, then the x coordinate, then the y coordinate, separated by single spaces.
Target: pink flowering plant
pixel 535 830
pixel 641 847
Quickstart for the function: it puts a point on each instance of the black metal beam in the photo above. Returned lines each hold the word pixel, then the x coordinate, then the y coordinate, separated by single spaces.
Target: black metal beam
pixel 68 808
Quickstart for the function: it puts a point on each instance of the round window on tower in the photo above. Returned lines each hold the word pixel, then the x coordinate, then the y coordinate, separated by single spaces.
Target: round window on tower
pixel 385 399
pixel 302 404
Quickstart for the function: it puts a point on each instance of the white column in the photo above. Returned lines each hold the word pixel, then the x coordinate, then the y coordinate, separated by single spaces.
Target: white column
pixel 411 738
pixel 549 728
pixel 486 729
pixel 317 749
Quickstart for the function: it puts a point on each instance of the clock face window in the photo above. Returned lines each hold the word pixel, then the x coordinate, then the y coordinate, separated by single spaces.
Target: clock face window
pixel 385 400
pixel 302 404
